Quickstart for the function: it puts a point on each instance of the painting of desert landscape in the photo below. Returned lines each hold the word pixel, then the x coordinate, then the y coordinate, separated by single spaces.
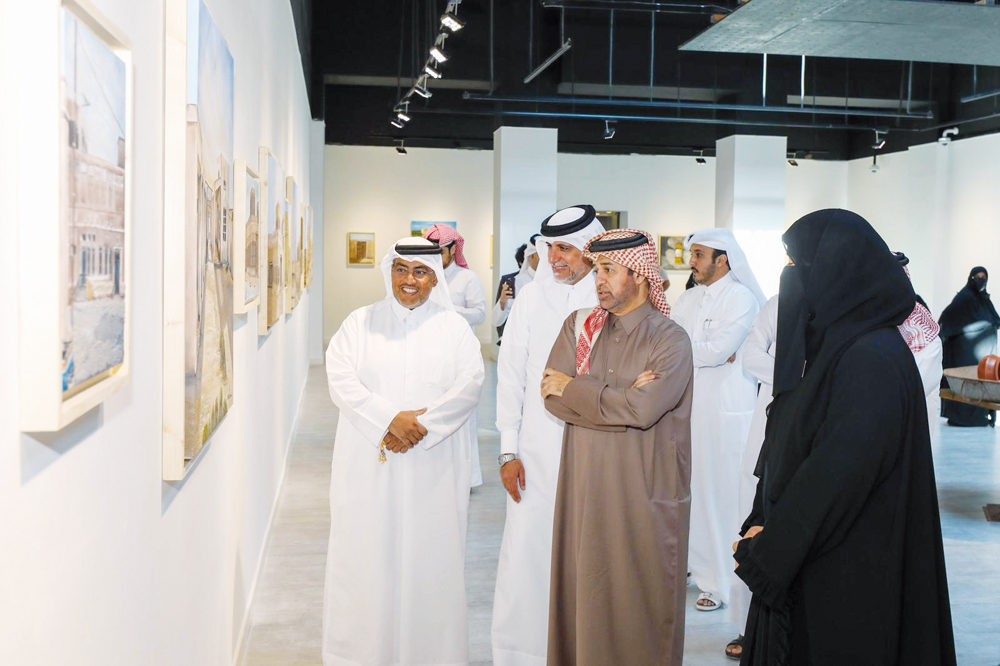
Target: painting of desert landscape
pixel 293 258
pixel 252 229
pixel 208 348
pixel 92 86
pixel 275 240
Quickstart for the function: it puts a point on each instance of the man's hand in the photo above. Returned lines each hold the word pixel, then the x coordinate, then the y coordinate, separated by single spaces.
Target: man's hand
pixel 512 475
pixel 554 383
pixel 505 294
pixel 395 444
pixel 732 359
pixel 407 428
pixel 645 377
pixel 751 533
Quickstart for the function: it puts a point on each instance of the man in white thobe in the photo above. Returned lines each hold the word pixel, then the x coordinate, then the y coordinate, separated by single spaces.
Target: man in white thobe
pixel 406 373
pixel 531 437
pixel 508 292
pixel 717 315
pixel 922 334
pixel 469 300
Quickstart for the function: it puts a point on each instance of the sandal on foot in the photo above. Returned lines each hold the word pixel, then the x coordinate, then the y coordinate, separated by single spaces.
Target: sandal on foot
pixel 734 649
pixel 711 605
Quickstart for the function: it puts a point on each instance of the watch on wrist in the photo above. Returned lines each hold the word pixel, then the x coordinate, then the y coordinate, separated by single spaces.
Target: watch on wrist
pixel 506 458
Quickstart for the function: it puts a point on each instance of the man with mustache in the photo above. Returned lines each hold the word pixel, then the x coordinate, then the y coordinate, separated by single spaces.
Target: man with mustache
pixel 406 373
pixel 620 376
pixel 530 437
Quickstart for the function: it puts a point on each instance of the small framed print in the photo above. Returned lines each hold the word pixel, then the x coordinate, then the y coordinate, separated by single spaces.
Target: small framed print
pixel 360 248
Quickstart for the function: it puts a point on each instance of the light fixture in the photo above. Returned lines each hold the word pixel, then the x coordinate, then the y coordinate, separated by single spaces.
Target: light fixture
pixel 438 54
pixel 452 22
pixel 879 141
pixel 700 159
pixel 791 158
pixel 400 149
pixel 402 112
pixel 874 167
pixel 421 88
pixel 396 122
pixel 431 72
pixel 609 131
pixel 946 135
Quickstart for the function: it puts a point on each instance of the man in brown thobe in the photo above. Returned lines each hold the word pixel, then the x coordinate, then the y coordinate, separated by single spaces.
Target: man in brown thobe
pixel 620 376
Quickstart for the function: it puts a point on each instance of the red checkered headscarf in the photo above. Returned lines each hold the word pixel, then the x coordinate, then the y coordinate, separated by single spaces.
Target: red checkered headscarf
pixel 919 329
pixel 644 260
pixel 445 235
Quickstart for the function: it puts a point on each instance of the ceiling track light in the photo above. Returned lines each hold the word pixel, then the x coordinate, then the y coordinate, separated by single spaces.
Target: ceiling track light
pixel 451 21
pixel 791 158
pixel 701 159
pixel 431 72
pixel 422 90
pixel 397 123
pixel 439 54
pixel 400 149
pixel 402 112
pixel 609 131
pixel 879 141
pixel 946 135
pixel 874 167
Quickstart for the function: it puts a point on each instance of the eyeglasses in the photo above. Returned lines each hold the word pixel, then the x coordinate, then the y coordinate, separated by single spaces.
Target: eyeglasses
pixel 419 272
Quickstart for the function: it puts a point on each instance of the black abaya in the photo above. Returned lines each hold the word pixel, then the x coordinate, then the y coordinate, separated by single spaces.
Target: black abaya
pixel 968 333
pixel 849 567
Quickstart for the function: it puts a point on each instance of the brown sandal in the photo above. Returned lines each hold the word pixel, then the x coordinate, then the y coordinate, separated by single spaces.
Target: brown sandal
pixel 734 649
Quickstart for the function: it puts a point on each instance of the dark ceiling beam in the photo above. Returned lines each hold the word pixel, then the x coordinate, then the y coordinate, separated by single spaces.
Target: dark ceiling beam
pixel 638 6
pixel 406 82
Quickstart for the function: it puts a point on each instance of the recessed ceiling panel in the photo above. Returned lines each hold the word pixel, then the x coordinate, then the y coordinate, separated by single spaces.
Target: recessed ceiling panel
pixel 944 32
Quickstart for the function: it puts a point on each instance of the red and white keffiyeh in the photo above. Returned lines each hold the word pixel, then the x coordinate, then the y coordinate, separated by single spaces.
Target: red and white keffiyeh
pixel 919 329
pixel 445 235
pixel 644 260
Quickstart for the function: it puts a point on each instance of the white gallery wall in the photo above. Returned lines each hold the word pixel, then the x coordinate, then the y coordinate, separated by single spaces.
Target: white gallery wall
pixel 103 563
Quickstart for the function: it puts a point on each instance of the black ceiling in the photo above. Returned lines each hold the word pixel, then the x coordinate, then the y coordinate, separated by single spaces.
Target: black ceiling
pixel 356 53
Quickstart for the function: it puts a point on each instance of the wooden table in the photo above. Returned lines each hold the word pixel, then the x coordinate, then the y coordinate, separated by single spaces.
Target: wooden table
pixel 948 394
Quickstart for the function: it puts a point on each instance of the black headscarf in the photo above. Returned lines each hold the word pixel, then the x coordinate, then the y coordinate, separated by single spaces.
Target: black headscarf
pixel 822 309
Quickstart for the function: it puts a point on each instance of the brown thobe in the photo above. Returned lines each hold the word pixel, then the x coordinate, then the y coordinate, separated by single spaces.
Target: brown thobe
pixel 619 551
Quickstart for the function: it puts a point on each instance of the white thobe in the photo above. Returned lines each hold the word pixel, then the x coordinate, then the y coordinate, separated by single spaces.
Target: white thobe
pixel 758 361
pixel 930 364
pixel 500 314
pixel 717 318
pixel 521 601
pixel 470 301
pixel 395 584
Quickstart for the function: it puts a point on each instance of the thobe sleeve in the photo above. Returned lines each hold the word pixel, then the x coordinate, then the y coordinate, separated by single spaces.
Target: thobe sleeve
pixel 369 412
pixel 499 314
pixel 855 448
pixel 929 363
pixel 512 373
pixel 757 357
pixel 589 402
pixel 733 322
pixel 451 411
pixel 473 310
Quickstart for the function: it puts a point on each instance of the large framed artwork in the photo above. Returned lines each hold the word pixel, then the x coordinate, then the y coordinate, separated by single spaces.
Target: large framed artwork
pixel 76 117
pixel 272 270
pixel 293 248
pixel 673 256
pixel 246 234
pixel 360 248
pixel 198 240
pixel 418 228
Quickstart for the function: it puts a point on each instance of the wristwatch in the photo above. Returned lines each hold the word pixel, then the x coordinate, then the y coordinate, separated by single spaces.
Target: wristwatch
pixel 506 458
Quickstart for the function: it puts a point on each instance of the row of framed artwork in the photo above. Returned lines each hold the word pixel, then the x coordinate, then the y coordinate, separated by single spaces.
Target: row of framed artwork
pixel 75 294
pixel 361 244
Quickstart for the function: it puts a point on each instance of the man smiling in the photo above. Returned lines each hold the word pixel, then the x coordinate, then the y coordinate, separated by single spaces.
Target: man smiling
pixel 399 491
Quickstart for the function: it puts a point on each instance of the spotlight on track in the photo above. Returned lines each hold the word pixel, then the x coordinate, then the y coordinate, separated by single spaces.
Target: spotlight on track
pixel 609 131
pixel 397 123
pixel 451 21
pixel 879 141
pixel 791 159
pixel 421 88
pixel 402 112
pixel 700 159
pixel 439 54
pixel 400 149
pixel 431 72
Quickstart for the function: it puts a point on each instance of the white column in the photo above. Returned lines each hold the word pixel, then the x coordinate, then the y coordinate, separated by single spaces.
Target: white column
pixel 750 188
pixel 524 192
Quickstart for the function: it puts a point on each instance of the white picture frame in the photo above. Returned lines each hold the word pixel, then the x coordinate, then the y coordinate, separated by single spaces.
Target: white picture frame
pixel 273 204
pixel 58 242
pixel 246 251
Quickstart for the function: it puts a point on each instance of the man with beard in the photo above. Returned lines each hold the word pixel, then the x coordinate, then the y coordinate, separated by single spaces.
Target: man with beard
pixel 843 551
pixel 530 437
pixel 717 314
pixel 406 373
pixel 620 377
pixel 968 332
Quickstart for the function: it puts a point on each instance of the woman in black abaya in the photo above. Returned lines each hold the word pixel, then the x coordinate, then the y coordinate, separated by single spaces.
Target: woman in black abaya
pixel 968 333
pixel 843 551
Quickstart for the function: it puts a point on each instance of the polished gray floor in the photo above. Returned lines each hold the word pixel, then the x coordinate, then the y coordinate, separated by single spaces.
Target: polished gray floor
pixel 286 622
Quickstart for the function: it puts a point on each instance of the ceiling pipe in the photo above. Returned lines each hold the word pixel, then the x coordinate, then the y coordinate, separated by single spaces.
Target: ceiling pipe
pixel 654 119
pixel 637 6
pixel 700 106
pixel 567 45
pixel 978 96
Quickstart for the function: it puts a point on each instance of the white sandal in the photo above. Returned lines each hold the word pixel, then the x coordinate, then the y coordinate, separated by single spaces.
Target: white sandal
pixel 707 596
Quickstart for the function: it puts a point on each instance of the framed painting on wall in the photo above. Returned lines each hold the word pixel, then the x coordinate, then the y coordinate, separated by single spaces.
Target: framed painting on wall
pixel 76 120
pixel 360 248
pixel 612 219
pixel 418 228
pixel 309 248
pixel 673 256
pixel 198 239
pixel 246 234
pixel 272 267
pixel 293 259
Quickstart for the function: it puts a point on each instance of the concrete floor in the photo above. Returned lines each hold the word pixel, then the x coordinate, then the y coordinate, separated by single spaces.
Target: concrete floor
pixel 286 622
